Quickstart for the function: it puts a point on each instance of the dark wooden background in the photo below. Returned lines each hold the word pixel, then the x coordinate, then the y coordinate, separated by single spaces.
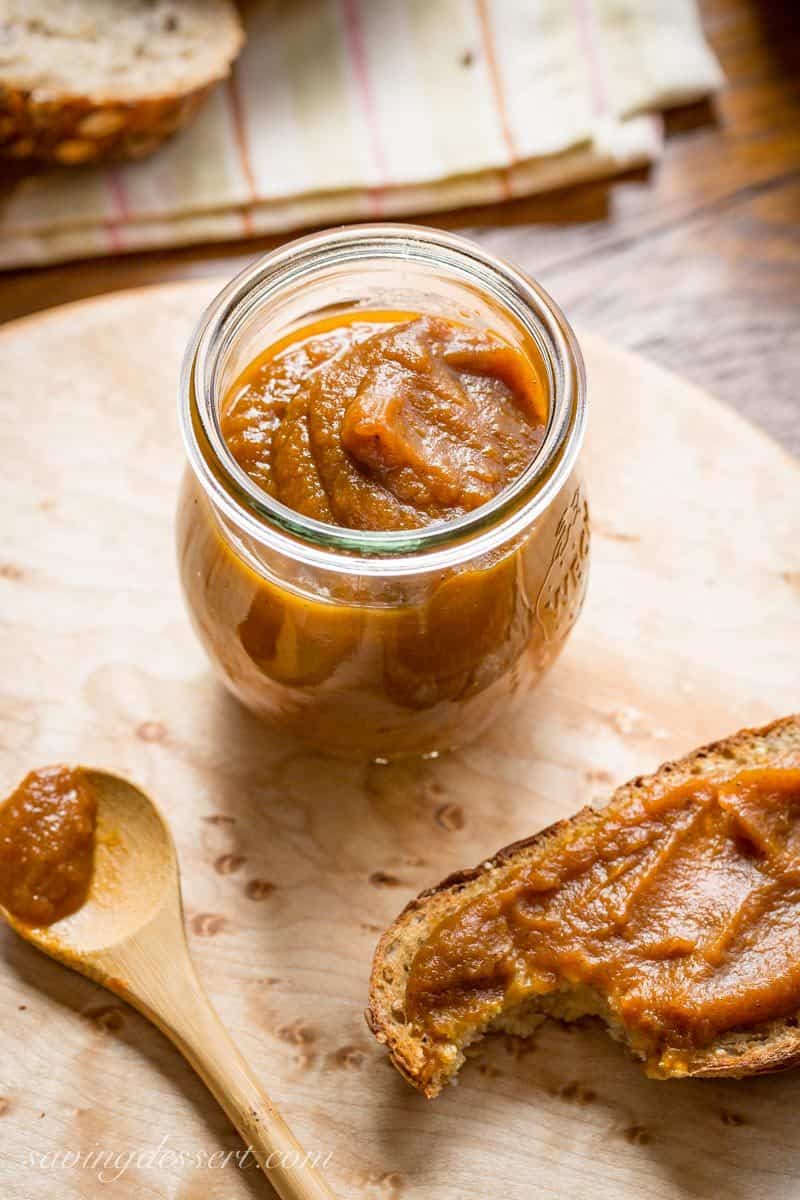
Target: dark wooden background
pixel 695 263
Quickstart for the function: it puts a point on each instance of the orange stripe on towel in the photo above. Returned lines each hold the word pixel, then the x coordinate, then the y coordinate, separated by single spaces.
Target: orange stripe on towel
pixel 359 61
pixel 498 92
pixel 587 32
pixel 243 151
pixel 121 213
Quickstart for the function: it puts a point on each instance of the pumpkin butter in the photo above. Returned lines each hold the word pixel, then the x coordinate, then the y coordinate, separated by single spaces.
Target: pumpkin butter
pixel 680 911
pixel 47 837
pixel 385 421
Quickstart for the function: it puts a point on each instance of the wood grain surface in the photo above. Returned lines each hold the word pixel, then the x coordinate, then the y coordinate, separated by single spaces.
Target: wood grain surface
pixel 292 864
pixel 695 264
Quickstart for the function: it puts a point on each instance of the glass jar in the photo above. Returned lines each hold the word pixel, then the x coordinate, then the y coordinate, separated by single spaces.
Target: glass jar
pixel 381 644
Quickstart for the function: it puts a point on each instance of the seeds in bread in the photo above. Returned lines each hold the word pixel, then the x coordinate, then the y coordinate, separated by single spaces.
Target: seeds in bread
pixel 84 80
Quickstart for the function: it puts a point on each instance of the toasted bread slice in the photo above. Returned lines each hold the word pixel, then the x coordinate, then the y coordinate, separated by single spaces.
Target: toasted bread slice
pixel 769 1046
pixel 88 80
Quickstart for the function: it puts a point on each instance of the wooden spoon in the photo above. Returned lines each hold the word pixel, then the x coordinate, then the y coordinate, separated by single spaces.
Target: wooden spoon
pixel 129 937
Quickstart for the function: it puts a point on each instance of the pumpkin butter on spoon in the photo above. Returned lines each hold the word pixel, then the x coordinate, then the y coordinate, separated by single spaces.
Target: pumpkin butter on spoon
pixel 47 842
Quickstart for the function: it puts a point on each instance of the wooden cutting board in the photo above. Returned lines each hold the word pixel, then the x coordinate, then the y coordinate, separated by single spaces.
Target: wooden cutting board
pixel 293 864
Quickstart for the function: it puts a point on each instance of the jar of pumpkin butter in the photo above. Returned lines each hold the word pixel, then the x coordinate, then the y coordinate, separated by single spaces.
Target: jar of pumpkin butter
pixel 382 534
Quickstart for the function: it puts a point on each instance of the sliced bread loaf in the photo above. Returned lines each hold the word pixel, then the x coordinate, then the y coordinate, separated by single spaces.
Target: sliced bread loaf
pixel 85 80
pixel 429 1060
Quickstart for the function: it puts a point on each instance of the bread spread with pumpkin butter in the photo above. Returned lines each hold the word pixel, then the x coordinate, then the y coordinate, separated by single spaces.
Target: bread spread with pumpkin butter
pixel 673 914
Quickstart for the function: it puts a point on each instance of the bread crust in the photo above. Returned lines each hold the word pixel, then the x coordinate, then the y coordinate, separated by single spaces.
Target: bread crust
pixel 772 1046
pixel 72 129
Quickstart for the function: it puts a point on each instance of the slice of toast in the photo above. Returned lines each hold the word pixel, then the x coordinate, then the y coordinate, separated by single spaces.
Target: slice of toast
pixel 428 1063
pixel 88 80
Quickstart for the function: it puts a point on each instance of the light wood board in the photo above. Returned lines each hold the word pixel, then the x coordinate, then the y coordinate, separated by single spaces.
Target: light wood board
pixel 293 864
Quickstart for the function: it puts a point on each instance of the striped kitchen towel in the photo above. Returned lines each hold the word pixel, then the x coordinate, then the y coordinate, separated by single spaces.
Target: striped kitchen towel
pixel 351 109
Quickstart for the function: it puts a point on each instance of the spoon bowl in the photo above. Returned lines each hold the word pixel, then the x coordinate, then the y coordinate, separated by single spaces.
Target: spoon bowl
pixel 135 875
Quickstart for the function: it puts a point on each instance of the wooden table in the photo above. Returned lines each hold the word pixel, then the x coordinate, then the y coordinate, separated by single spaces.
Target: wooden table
pixel 696 263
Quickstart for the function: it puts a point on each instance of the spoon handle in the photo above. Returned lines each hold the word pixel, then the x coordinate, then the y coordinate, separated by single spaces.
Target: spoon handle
pixel 154 973
pixel 198 1033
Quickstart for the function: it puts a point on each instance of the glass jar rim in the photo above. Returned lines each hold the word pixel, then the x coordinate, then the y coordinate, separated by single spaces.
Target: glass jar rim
pixel 435 546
